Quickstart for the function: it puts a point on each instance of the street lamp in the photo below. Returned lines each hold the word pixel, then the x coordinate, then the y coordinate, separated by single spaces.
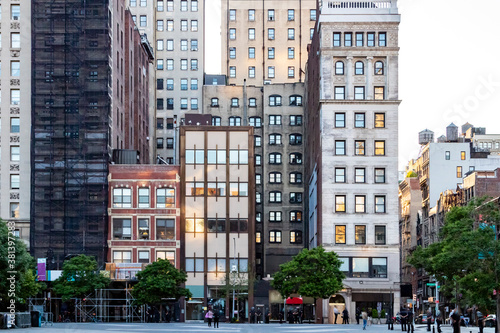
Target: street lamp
pixel 234 270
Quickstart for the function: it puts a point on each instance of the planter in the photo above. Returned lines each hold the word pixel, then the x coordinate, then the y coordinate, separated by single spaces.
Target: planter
pixel 375 321
pixel 383 321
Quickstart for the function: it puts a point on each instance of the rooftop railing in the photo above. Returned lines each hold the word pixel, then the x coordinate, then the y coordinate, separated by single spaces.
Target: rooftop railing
pixel 360 4
pixel 357 6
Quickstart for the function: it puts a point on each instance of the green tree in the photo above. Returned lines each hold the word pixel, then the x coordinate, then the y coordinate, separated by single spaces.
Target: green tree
pixel 158 281
pixel 15 258
pixel 80 277
pixel 311 273
pixel 465 260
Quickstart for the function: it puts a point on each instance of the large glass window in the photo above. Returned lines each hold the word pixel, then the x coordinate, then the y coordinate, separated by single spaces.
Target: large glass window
pixel 195 225
pixel 360 267
pixel 359 93
pixel 379 267
pixel 379 120
pixel 165 229
pixel 143 257
pixel 339 92
pixel 122 228
pixel 165 198
pixel 122 257
pixel 339 120
pixel 122 198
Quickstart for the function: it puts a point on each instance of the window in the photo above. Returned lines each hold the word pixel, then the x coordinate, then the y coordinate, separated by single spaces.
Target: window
pixel 232 71
pixel 311 33
pixel 275 216
pixel 295 178
pixel 143 21
pixel 143 197
pixel 340 147
pixel 184 84
pixel 216 121
pixel 170 5
pixel 295 197
pixel 274 120
pixel 379 148
pixel 194 45
pixel 184 65
pixel 275 158
pixel 159 84
pixel 14 182
pixel 359 68
pixel 165 229
pixel 359 175
pixel 238 189
pixel 170 84
pixel 270 15
pixel 339 92
pixel 170 44
pixel 258 160
pixel 194 103
pixel 143 227
pixel 255 121
pixel 194 64
pixel 122 257
pixel 270 33
pixel 251 53
pixel 232 33
pixel 274 196
pixel 184 103
pixel 122 228
pixel 165 197
pixel 340 203
pixel 274 139
pixel 275 100
pixel 360 204
pixel 216 156
pixel 122 198
pixel 252 102
pixel 170 25
pixel 195 265
pixel 295 216
pixel 257 141
pixel 359 120
pixel 133 3
pixel 238 156
pixel 295 139
pixel 251 14
pixel 382 39
pixel 291 53
pixel 462 155
pixel 15 96
pixel 379 120
pixel 15 68
pixel 340 231
pixel 340 175
pixel 291 34
pixel 380 235
pixel 274 236
pixel 258 179
pixel 312 14
pixel 270 53
pixel 340 120
pixel 159 44
pixel 143 3
pixel 251 71
pixel 359 39
pixel 159 24
pixel 379 175
pixel 232 15
pixel 270 72
pixel 370 40
pixel 360 234
pixel 251 34
pixel 194 84
pixel 14 153
pixel 232 53
pixel 295 237
pixel 234 121
pixel 359 93
pixel 447 155
pixel 143 257
pixel 258 200
pixel 339 68
pixel 379 68
pixel 295 120
pixel 258 238
pixel 184 6
pixel 459 172
pixel 15 124
pixel 159 64
pixel 291 71
pixel 14 209
pixel 170 103
pixel 234 102
pixel 291 15
pixel 159 5
pixel 379 93
pixel 194 5
pixel 336 39
pixel 295 158
pixel 348 39
pixel 379 204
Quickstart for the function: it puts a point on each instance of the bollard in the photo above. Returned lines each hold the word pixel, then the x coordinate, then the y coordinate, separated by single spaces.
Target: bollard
pixel 433 329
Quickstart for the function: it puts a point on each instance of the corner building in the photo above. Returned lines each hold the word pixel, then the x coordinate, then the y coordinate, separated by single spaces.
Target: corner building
pixel 352 140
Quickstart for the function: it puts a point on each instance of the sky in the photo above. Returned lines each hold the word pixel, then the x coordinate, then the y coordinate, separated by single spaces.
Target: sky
pixel 449 66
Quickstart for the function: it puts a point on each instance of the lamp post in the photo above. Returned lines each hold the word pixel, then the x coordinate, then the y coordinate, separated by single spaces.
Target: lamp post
pixel 234 271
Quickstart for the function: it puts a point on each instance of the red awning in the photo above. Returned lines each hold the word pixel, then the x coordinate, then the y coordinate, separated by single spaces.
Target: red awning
pixel 294 300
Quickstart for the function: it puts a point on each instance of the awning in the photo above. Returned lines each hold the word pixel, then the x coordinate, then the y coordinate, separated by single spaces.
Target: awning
pixel 294 300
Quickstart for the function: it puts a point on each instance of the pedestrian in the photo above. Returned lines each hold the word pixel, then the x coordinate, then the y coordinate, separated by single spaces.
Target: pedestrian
pixel 216 318
pixel 358 314
pixel 209 317
pixel 252 315
pixel 336 312
pixel 455 320
pixel 259 315
pixel 345 316
pixel 403 318
pixel 429 318
pixel 409 319
pixel 439 319
pixel 364 315
pixel 480 321
pixel 280 316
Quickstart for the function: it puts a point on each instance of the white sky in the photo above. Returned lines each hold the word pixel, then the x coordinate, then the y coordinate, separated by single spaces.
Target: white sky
pixel 449 66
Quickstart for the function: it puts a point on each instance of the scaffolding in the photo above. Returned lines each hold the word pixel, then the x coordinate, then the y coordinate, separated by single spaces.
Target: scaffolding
pixel 71 100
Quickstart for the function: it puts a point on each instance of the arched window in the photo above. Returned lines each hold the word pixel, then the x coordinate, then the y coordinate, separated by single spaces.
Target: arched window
pixel 295 178
pixel 339 68
pixel 359 68
pixel 295 139
pixel 379 68
pixel 234 121
pixel 275 178
pixel 215 121
pixel 296 216
pixel 275 100
pixel 275 158
pixel 255 121
pixel 274 139
pixel 214 102
pixel 296 100
pixel 295 158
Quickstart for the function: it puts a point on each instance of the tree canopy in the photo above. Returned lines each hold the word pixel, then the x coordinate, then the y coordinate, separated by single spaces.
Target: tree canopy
pixel 311 273
pixel 80 277
pixel 465 260
pixel 15 258
pixel 159 281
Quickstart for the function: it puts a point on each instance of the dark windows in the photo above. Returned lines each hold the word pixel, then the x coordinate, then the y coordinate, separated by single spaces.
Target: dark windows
pixel 165 229
pixel 295 139
pixel 340 234
pixel 340 120
pixel 447 155
pixel 380 204
pixel 296 216
pixel 295 158
pixel 379 120
pixel 359 120
pixel 380 234
pixel 379 175
pixel 295 237
pixel 295 197
pixel 360 234
pixel 340 176
pixel 359 68
pixel 295 100
pixel 216 225
pixel 340 204
pixel 339 68
pixel 364 267
pixel 295 178
pixel 340 147
pixel 360 175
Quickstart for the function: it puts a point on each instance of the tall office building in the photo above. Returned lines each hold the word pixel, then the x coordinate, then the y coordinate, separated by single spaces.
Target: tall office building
pixel 83 65
pixel 15 113
pixel 176 28
pixel 352 140
pixel 265 41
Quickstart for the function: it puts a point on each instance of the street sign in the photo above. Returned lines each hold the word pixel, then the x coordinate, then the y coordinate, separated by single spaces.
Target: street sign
pixel 431 284
pixel 414 297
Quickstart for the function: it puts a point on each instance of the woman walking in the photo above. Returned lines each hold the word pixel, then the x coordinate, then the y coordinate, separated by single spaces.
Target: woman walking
pixel 209 317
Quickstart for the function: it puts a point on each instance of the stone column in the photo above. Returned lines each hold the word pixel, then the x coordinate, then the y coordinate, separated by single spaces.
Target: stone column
pixel 349 79
pixel 369 77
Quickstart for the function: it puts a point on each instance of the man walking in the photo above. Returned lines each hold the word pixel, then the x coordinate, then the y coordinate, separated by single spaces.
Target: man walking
pixel 336 312
pixel 409 318
pixel 364 315
pixel 216 318
pixel 429 319
pixel 455 320
pixel 345 316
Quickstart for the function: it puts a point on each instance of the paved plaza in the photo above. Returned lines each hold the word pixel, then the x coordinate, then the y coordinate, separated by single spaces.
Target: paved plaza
pixel 226 328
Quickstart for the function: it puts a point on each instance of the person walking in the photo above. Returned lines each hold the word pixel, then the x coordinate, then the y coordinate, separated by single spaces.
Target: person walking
pixel 403 319
pixel 429 319
pixel 455 320
pixel 216 318
pixel 480 321
pixel 409 320
pixel 345 316
pixel 259 315
pixel 209 317
pixel 358 314
pixel 364 315
pixel 439 319
pixel 336 312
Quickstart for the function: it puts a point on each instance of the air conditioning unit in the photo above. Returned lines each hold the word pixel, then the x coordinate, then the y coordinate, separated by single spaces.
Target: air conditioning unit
pixel 267 81
pixel 234 268
pixel 15 18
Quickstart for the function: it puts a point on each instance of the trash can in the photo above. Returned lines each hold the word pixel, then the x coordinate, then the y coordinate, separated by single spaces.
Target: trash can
pixel 36 319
